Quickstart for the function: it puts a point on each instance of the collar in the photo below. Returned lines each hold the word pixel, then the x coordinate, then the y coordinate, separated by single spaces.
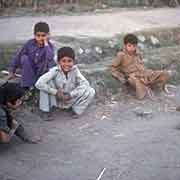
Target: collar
pixel 137 52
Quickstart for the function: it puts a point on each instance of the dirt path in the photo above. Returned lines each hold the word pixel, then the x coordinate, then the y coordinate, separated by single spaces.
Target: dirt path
pixel 111 136
pixel 99 25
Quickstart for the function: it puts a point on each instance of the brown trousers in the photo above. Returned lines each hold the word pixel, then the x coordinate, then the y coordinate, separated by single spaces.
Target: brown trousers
pixel 148 79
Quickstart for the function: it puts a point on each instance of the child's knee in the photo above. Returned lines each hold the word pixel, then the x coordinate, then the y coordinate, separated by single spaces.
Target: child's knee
pixel 91 92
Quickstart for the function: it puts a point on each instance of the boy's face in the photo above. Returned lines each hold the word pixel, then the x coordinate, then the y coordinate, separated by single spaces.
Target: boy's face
pixel 66 64
pixel 15 105
pixel 131 48
pixel 41 37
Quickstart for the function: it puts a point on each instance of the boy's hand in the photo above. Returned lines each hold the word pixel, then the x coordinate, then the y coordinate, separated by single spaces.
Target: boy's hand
pixel 60 94
pixel 10 76
pixel 63 96
pixel 4 137
pixel 46 38
pixel 66 97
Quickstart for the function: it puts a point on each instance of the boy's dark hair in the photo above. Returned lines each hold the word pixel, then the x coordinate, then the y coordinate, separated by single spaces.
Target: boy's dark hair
pixel 130 38
pixel 10 92
pixel 65 52
pixel 41 27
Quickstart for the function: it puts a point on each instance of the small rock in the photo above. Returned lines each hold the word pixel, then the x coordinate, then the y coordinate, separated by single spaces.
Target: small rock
pixel 88 51
pixel 103 117
pixel 141 46
pixel 141 38
pixel 119 135
pixel 154 40
pixel 142 112
pixel 80 51
pixel 104 6
pixel 145 60
pixel 98 50
pixel 111 44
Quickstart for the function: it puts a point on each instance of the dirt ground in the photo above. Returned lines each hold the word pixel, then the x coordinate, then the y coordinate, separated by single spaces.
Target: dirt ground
pixel 128 139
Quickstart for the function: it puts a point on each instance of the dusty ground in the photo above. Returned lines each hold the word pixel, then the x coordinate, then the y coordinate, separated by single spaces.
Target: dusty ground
pixel 114 135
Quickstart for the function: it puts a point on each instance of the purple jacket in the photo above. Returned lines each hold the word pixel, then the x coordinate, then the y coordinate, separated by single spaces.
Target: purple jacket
pixel 40 58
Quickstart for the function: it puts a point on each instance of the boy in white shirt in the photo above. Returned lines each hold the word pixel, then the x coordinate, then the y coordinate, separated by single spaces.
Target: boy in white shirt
pixel 64 86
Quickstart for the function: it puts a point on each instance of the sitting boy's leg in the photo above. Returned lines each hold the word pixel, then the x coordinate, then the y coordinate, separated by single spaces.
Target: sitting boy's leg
pixel 28 72
pixel 160 79
pixel 46 102
pixel 140 88
pixel 84 98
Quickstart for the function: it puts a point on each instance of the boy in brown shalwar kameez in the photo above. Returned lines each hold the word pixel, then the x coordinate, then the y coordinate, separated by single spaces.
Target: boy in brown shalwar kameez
pixel 128 66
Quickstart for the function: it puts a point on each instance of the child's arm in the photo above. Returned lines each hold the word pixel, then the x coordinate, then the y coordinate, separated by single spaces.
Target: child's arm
pixel 16 61
pixel 49 50
pixel 81 81
pixel 43 82
pixel 117 62
pixel 140 59
pixel 4 121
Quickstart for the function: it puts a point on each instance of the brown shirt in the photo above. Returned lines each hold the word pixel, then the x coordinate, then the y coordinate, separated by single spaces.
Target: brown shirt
pixel 128 64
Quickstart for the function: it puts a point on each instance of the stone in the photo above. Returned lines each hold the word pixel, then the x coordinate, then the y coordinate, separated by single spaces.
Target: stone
pixel 80 51
pixel 141 38
pixel 111 44
pixel 141 46
pixel 98 50
pixel 88 51
pixel 154 41
pixel 141 112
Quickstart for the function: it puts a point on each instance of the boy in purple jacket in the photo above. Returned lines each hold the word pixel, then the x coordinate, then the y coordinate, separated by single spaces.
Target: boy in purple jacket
pixel 35 58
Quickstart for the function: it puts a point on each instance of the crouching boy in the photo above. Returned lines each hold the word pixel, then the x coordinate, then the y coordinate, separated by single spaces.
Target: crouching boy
pixel 10 98
pixel 64 86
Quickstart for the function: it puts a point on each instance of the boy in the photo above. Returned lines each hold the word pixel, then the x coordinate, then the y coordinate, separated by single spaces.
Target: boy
pixel 128 66
pixel 10 98
pixel 35 58
pixel 64 86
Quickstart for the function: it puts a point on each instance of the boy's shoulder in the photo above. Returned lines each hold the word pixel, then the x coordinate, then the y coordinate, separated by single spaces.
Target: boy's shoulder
pixel 30 42
pixel 75 68
pixel 138 52
pixel 55 68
